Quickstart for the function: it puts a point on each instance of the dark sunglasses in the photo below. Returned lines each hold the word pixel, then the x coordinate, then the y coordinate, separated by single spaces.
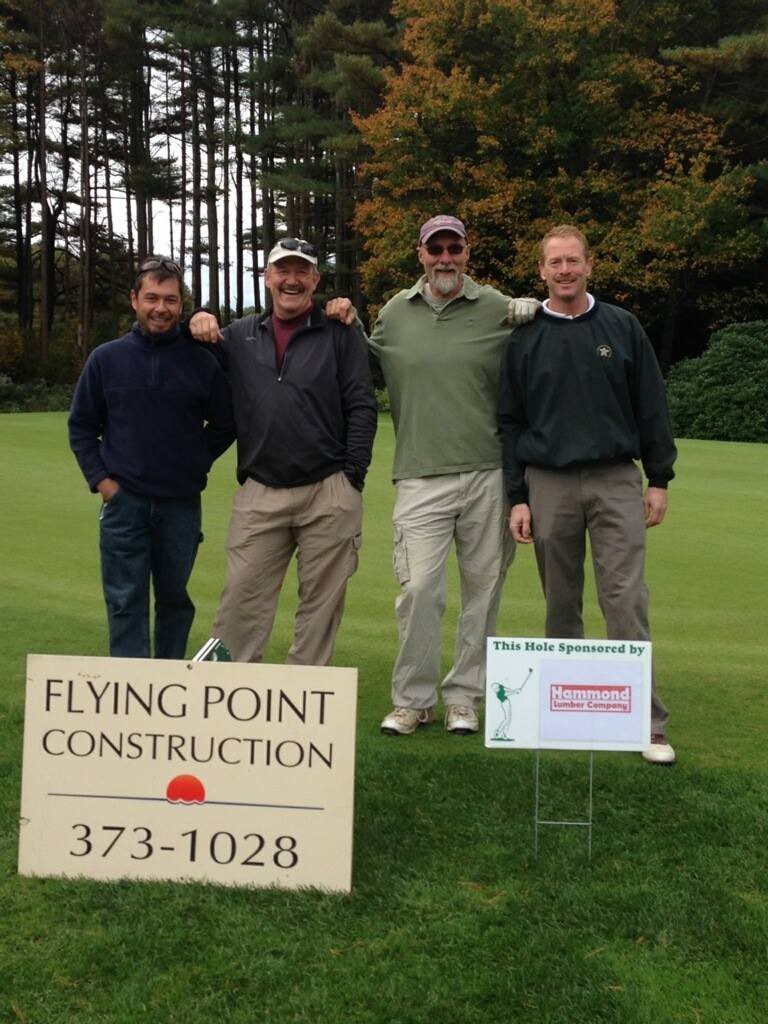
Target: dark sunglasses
pixel 455 249
pixel 155 264
pixel 297 245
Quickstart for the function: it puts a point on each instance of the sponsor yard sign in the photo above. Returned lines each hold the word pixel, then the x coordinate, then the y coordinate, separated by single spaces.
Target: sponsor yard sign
pixel 568 694
pixel 208 771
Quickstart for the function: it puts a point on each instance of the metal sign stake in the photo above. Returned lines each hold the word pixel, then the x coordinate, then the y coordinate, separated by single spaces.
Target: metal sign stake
pixel 538 822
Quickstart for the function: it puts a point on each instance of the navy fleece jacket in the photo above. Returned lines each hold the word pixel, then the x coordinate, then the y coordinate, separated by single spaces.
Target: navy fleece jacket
pixel 152 412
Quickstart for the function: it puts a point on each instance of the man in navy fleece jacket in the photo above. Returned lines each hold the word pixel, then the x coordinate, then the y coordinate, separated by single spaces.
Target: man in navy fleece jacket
pixel 150 413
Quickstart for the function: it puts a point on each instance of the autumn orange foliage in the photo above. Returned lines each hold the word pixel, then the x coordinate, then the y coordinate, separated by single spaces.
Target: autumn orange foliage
pixel 516 115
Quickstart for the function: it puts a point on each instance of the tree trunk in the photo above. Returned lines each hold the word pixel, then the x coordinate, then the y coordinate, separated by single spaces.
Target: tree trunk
pixel 256 130
pixel 146 135
pixel 18 221
pixel 169 164
pixel 210 185
pixel 65 117
pixel 667 339
pixel 45 220
pixel 338 226
pixel 197 283
pixel 29 297
pixel 111 282
pixel 183 120
pixel 239 274
pixel 84 312
pixel 128 187
pixel 138 163
pixel 225 176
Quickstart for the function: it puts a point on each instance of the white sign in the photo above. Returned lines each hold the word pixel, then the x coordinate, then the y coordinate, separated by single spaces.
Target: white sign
pixel 229 773
pixel 568 694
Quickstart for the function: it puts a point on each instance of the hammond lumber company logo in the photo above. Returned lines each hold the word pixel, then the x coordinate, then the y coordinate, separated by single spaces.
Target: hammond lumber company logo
pixel 615 699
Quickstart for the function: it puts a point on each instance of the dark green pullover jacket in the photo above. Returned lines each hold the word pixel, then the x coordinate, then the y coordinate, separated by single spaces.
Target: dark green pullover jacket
pixel 581 391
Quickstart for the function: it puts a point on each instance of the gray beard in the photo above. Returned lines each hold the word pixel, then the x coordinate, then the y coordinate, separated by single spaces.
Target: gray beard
pixel 444 283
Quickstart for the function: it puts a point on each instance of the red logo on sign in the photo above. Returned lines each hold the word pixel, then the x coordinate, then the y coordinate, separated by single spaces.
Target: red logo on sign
pixel 605 698
pixel 185 789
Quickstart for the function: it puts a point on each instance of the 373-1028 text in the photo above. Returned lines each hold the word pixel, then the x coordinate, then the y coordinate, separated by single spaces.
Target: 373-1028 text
pixel 249 850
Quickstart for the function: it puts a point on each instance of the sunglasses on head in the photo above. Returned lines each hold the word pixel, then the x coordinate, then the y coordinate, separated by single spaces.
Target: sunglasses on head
pixel 297 245
pixel 155 264
pixel 454 249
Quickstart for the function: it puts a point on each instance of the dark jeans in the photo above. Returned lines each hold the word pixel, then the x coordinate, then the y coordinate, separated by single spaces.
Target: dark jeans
pixel 142 537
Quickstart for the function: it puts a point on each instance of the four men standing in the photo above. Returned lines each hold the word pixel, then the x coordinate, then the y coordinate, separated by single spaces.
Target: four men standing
pixel 581 398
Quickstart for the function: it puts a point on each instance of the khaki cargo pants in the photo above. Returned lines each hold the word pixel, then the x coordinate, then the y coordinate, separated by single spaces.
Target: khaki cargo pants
pixel 322 522
pixel 431 513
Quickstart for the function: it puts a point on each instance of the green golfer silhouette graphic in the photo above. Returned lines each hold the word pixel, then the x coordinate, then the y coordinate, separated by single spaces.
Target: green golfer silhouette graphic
pixel 503 693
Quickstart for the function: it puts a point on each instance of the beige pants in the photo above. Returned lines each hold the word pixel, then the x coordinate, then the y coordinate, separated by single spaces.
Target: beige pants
pixel 322 522
pixel 430 514
pixel 605 501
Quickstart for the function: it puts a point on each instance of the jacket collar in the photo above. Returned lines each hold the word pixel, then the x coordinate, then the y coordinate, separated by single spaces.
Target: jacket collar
pixel 315 316
pixel 166 338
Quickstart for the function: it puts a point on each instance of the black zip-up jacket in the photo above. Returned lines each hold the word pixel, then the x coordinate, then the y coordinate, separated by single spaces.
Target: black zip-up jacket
pixel 581 391
pixel 314 416
pixel 152 411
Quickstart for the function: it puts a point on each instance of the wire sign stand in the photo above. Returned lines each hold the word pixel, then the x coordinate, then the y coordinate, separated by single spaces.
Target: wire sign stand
pixel 538 822
pixel 560 693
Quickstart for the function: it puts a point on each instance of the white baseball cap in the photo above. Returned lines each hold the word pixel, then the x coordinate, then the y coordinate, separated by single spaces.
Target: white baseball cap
pixel 293 247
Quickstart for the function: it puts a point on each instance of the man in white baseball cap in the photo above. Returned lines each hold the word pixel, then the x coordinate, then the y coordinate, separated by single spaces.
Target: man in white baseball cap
pixel 296 247
pixel 305 414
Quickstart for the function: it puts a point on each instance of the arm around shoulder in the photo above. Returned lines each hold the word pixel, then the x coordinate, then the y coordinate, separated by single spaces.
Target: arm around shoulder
pixel 358 401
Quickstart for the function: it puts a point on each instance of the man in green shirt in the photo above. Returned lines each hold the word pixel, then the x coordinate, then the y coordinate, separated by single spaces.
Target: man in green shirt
pixel 440 344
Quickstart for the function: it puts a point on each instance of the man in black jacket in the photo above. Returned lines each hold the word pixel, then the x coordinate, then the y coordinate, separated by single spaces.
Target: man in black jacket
pixel 582 397
pixel 150 413
pixel 306 418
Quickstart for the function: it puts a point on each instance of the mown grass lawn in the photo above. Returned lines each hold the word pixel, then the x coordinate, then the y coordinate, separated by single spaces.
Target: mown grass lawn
pixel 451 919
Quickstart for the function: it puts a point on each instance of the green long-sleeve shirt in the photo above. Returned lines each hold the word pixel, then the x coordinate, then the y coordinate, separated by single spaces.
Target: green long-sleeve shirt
pixel 442 370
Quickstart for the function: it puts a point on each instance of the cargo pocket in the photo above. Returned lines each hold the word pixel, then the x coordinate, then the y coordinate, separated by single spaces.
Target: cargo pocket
pixel 354 548
pixel 400 557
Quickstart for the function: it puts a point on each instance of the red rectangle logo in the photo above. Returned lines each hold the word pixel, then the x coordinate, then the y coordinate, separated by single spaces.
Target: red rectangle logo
pixel 600 698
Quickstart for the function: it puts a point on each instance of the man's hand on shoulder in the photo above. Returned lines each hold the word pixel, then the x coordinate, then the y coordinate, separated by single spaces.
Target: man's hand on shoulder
pixel 205 327
pixel 341 309
pixel 655 502
pixel 521 311
pixel 520 524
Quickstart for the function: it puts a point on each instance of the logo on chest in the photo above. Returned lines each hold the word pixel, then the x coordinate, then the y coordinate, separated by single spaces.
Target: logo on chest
pixel 604 351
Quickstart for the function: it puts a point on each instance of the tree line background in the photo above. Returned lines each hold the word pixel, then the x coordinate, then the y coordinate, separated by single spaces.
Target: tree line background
pixel 221 126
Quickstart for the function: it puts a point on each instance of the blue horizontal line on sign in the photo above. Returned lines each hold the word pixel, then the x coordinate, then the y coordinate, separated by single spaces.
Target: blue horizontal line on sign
pixel 163 800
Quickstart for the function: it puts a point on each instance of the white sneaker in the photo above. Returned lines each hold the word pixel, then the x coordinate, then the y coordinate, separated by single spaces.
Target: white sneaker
pixel 404 721
pixel 461 720
pixel 660 751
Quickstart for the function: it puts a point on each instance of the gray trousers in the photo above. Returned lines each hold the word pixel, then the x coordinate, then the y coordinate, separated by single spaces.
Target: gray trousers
pixel 605 501
pixel 431 513
pixel 323 523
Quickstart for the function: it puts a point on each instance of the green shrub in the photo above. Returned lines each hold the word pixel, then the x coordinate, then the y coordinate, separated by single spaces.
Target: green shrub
pixel 723 395
pixel 33 396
